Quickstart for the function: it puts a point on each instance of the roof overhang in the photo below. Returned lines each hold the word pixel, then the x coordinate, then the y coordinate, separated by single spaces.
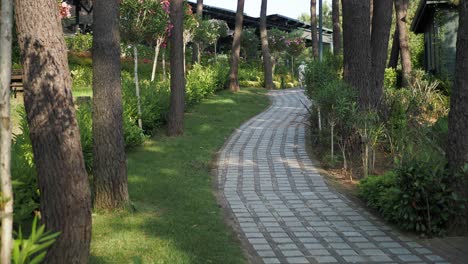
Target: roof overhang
pixel 425 12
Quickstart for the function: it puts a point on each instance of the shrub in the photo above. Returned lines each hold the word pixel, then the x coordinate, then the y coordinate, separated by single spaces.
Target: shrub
pixel 221 68
pixel 201 82
pixel 319 74
pixel 82 77
pixel 80 42
pixel 379 192
pixel 154 102
pixel 416 196
pixel 427 201
pixel 390 78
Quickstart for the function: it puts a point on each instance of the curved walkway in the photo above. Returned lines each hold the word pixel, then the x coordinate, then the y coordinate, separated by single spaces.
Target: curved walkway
pixel 283 206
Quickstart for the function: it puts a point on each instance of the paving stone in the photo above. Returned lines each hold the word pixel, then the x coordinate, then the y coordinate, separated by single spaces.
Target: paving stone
pixel 266 253
pixel 346 252
pixel 355 259
pixel 408 258
pixel 271 261
pixel 325 259
pixel 297 260
pixel 292 253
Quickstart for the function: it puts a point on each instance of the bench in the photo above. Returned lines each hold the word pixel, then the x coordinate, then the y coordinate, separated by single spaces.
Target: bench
pixel 16 84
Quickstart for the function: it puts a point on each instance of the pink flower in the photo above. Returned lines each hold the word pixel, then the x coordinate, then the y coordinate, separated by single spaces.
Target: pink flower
pixel 64 10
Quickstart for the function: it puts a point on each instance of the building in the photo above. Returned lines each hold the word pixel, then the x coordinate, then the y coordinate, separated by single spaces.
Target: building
pixel 438 21
pixel 273 21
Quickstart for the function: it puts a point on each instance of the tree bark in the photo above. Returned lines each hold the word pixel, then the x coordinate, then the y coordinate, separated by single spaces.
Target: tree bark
pixel 381 25
pixel 164 64
pixel 401 9
pixel 6 36
pixel 267 70
pixel 336 26
pixel 137 84
pixel 176 110
pixel 197 50
pixel 62 178
pixel 395 52
pixel 457 150
pixel 159 41
pixel 235 51
pixel 356 48
pixel 313 28
pixel 109 167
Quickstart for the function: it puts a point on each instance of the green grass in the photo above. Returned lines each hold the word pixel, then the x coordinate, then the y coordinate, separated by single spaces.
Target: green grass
pixel 177 219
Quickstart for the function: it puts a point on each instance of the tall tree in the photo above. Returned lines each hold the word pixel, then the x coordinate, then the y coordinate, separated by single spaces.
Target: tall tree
pixel 6 36
pixel 235 51
pixel 401 9
pixel 199 14
pixel 62 178
pixel 356 48
pixel 381 25
pixel 395 51
pixel 267 67
pixel 313 28
pixel 110 169
pixel 336 26
pixel 176 110
pixel 457 150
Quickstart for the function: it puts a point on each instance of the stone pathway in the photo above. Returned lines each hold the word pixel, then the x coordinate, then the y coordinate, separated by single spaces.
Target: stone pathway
pixel 283 206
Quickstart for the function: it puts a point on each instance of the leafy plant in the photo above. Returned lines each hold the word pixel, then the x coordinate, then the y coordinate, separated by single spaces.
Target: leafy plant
pixel 33 249
pixel 80 42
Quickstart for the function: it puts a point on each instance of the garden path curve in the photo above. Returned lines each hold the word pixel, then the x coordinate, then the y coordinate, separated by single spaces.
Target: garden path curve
pixel 286 211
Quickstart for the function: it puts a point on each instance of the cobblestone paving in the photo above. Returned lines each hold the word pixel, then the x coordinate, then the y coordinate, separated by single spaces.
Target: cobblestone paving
pixel 285 209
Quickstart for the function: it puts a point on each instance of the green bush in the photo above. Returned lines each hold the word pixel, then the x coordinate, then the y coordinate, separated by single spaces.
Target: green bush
pixel 319 74
pixel 221 68
pixel 82 77
pixel 427 201
pixel 201 82
pixel 390 78
pixel 79 42
pixel 154 102
pixel 379 192
pixel 416 196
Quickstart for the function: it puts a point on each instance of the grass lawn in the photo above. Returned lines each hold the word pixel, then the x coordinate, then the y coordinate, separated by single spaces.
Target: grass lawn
pixel 177 219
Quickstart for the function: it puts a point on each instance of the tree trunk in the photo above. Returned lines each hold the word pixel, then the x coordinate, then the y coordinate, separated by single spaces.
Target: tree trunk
pixel 336 26
pixel 156 55
pixel 109 167
pixel 395 52
pixel 356 48
pixel 313 28
pixel 235 51
pixel 457 150
pixel 62 178
pixel 381 25
pixel 267 70
pixel 137 85
pixel 401 9
pixel 164 64
pixel 175 125
pixel 6 36
pixel 197 50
